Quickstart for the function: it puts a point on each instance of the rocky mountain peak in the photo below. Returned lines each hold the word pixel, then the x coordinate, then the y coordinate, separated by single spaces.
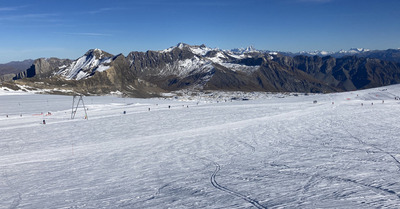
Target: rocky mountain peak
pixel 94 60
pixel 98 54
pixel 182 45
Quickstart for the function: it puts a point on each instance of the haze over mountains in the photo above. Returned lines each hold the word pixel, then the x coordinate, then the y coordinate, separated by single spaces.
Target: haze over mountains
pixel 190 67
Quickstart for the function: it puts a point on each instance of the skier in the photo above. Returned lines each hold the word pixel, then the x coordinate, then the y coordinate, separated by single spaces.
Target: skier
pixel 44 121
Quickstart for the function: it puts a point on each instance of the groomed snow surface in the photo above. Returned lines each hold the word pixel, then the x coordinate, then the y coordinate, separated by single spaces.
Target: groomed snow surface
pixel 267 152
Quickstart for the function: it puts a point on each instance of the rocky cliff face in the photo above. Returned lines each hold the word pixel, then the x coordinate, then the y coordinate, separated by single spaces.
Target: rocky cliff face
pixel 43 68
pixel 202 68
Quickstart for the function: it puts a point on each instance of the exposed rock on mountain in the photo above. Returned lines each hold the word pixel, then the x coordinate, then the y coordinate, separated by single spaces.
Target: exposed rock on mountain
pixel 349 73
pixel 201 68
pixel 8 70
pixel 387 55
pixel 93 61
pixel 43 68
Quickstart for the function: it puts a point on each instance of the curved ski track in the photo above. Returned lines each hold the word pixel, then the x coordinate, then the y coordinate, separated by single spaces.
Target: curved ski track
pixel 222 188
pixel 215 184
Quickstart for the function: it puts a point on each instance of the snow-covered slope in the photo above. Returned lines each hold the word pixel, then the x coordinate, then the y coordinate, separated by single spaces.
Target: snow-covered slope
pixel 183 68
pixel 276 151
pixel 93 61
pixel 204 59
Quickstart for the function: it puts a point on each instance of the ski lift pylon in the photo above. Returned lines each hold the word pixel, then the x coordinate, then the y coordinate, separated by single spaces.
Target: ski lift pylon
pixel 75 106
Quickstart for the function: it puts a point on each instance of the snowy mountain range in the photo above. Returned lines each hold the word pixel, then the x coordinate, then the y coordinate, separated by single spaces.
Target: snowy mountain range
pixel 202 68
pixel 337 54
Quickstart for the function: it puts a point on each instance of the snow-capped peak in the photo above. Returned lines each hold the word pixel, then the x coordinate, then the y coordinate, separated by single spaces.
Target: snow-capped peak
pixel 359 50
pixel 316 52
pixel 98 53
pixel 91 51
pixel 248 49
pixel 353 51
pixel 201 50
pixel 182 45
pixel 179 45
pixel 195 49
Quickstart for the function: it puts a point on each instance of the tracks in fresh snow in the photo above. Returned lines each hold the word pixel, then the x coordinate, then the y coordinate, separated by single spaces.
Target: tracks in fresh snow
pixel 237 194
pixel 364 143
pixel 253 149
pixel 317 177
pixel 376 148
pixel 215 184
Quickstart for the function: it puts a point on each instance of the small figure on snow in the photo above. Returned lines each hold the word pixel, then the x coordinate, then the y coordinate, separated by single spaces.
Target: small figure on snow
pixel 44 121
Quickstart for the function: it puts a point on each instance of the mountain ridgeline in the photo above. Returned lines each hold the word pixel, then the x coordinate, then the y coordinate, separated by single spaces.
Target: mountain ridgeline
pixel 146 74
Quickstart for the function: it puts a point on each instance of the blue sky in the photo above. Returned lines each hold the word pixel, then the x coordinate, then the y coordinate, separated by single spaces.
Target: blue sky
pixel 67 29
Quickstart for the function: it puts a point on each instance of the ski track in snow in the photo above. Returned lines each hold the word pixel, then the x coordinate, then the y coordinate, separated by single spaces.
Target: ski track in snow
pixel 222 188
pixel 275 152
pixel 374 147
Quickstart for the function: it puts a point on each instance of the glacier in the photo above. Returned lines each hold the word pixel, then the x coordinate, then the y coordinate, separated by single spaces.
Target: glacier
pixel 202 150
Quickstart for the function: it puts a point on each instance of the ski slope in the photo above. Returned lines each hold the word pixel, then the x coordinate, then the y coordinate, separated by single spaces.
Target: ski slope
pixel 267 152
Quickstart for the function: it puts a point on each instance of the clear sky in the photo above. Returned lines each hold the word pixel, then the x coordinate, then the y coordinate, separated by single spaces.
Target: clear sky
pixel 67 29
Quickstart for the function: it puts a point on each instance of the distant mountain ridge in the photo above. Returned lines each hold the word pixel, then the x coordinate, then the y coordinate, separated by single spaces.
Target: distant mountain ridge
pixel 200 68
pixel 337 54
pixel 8 70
